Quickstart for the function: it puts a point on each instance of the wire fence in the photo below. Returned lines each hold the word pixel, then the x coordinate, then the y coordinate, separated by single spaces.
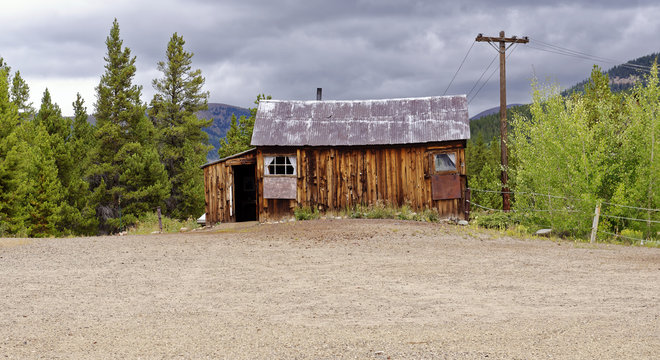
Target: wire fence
pixel 577 206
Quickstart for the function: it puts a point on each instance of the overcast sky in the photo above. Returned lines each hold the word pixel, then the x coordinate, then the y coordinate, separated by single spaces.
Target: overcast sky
pixel 364 49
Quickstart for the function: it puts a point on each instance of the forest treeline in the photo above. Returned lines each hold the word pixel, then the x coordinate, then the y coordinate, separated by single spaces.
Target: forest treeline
pixel 633 69
pixel 63 176
pixel 590 147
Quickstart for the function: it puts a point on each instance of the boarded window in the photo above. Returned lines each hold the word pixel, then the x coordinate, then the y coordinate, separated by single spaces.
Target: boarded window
pixel 444 187
pixel 280 187
pixel 280 165
pixel 280 181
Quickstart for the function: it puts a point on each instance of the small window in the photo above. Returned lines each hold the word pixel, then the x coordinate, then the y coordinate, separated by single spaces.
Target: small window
pixel 444 162
pixel 280 165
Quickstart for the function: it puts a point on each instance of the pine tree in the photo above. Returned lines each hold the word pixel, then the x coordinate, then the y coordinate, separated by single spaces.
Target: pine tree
pixel 234 141
pixel 59 129
pixel 80 215
pixel 9 119
pixel 20 95
pixel 8 111
pixel 32 201
pixel 123 132
pixel 83 131
pixel 239 135
pixel 44 204
pixel 182 144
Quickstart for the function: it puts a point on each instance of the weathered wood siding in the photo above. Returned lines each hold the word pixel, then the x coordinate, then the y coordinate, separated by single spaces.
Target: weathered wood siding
pixel 218 188
pixel 334 178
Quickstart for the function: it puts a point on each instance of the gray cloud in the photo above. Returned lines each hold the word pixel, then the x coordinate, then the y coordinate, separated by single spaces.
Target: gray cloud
pixel 353 49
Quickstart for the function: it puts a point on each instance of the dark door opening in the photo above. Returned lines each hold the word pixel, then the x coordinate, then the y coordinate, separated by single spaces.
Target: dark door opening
pixel 245 193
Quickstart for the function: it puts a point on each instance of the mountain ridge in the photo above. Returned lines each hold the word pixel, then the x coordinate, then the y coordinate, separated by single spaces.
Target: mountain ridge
pixel 622 77
pixel 221 114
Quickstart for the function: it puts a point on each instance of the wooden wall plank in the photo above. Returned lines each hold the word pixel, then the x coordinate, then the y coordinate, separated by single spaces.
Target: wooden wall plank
pixel 338 178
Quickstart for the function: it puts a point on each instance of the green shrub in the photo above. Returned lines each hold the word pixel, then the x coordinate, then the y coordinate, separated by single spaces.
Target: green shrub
pixel 628 236
pixel 428 215
pixel 381 211
pixel 306 213
pixel 497 220
pixel 358 212
pixel 405 213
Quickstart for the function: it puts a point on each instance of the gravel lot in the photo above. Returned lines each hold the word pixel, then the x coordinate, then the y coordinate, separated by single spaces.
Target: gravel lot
pixel 367 289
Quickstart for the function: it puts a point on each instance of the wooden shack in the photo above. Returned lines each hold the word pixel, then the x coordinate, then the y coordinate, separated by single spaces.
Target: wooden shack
pixel 333 155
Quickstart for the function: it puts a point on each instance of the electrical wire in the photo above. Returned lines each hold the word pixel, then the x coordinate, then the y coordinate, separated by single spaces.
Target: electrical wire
pixel 566 50
pixel 555 49
pixel 591 57
pixel 493 73
pixel 482 85
pixel 459 68
pixel 482 75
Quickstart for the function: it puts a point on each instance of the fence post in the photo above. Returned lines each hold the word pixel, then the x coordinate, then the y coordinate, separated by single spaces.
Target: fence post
pixel 467 204
pixel 594 227
pixel 160 222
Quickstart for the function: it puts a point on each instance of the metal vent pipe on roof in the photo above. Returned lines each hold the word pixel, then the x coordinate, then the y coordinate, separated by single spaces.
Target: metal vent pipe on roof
pixel 319 91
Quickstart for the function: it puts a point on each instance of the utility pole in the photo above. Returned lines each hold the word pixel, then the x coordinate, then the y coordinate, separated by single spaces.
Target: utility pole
pixel 506 206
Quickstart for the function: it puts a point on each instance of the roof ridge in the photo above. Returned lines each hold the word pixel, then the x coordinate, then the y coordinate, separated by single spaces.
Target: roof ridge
pixel 369 100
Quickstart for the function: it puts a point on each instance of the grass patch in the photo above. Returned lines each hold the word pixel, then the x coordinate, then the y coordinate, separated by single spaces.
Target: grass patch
pixel 375 211
pixel 522 225
pixel 148 223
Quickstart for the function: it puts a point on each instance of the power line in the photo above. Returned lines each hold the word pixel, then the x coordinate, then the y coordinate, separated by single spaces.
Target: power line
pixel 459 68
pixel 566 50
pixel 482 75
pixel 592 57
pixel 490 76
pixel 482 85
pixel 555 49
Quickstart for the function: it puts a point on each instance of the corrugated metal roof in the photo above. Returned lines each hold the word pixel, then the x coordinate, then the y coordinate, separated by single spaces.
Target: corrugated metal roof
pixel 361 122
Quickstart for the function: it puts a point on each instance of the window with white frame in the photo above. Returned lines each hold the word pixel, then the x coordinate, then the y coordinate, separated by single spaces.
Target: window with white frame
pixel 280 165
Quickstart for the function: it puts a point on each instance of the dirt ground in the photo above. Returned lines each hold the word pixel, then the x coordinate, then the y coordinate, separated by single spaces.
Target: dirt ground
pixel 366 289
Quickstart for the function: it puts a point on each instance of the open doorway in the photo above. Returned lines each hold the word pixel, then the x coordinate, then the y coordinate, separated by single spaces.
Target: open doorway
pixel 245 193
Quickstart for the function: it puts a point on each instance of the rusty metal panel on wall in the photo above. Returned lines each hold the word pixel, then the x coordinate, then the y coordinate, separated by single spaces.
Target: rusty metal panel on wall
pixel 444 187
pixel 280 187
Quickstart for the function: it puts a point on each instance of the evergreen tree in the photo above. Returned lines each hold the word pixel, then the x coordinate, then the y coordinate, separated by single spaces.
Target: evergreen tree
pixel 9 119
pixel 78 215
pixel 234 142
pixel 59 130
pixel 44 205
pixel 20 95
pixel 182 144
pixel 4 67
pixel 239 135
pixel 123 131
pixel 30 190
pixel 33 192
pixel 83 131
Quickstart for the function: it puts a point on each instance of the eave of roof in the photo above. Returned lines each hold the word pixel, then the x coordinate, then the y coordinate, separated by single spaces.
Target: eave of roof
pixel 228 157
